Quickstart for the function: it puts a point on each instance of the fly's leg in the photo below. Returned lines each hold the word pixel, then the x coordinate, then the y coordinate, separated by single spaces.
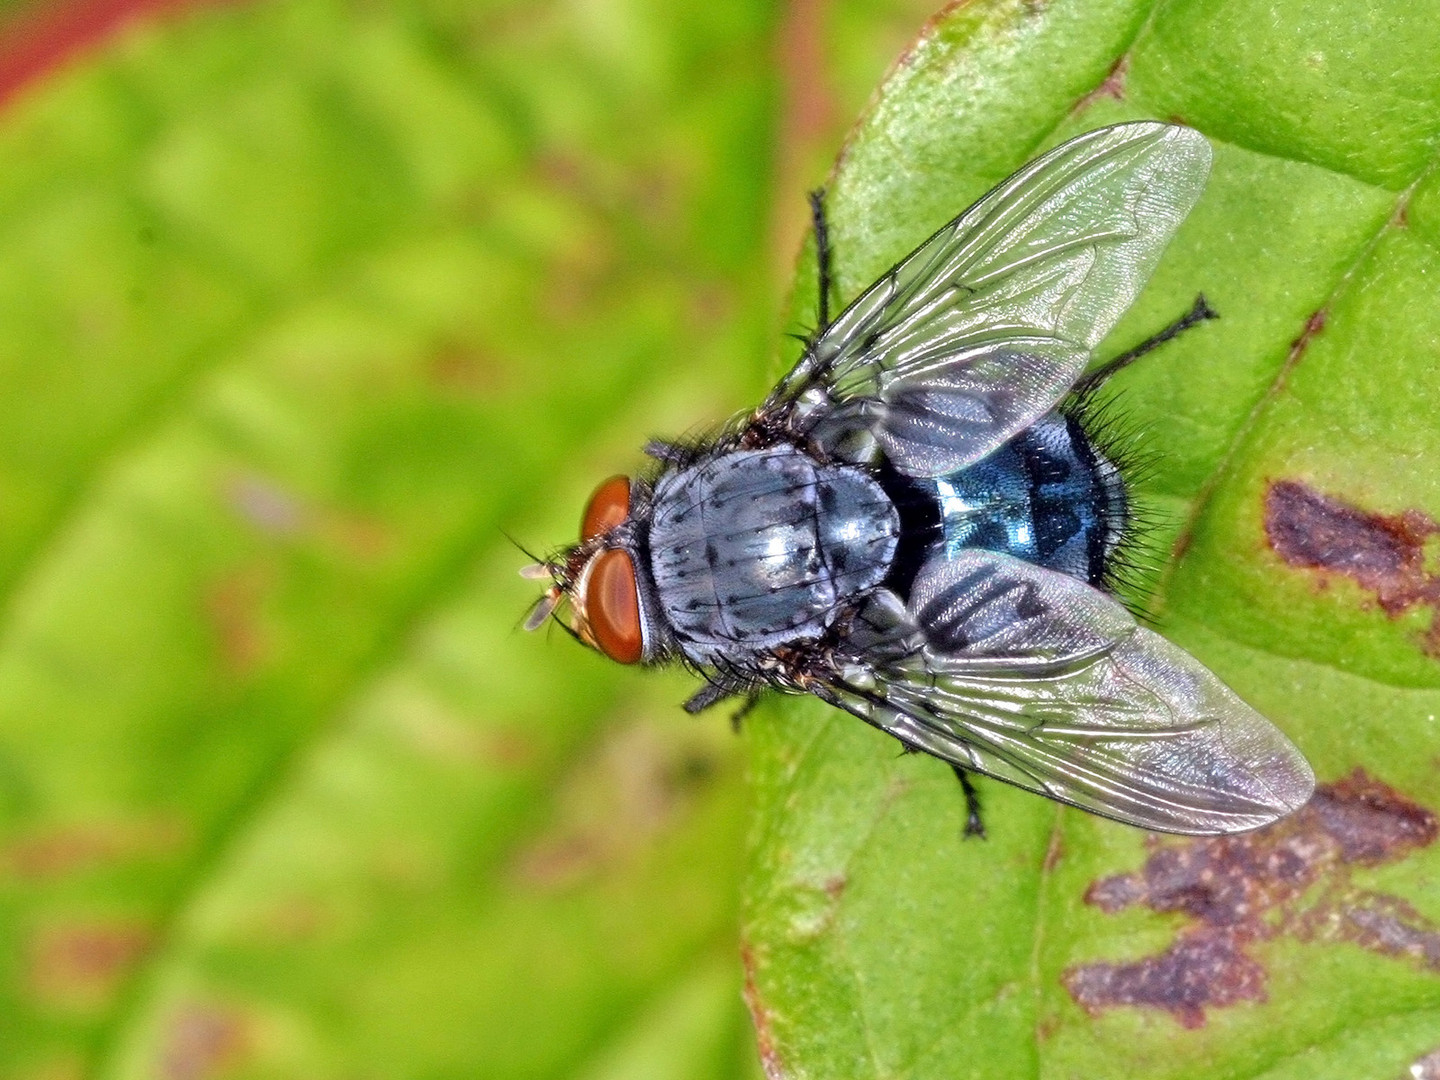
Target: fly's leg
pixel 822 255
pixel 713 693
pixel 773 414
pixel 1199 312
pixel 746 708
pixel 708 695
pixel 973 825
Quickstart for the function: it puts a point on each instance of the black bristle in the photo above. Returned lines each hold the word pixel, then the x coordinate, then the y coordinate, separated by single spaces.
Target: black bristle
pixel 1130 570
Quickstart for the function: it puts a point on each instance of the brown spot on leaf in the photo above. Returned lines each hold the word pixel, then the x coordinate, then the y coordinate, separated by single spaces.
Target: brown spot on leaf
pixel 1426 1067
pixel 79 965
pixel 916 46
pixel 1370 821
pixel 44 855
pixel 1383 554
pixel 1291 878
pixel 1182 545
pixel 203 1041
pixel 1194 974
pixel 760 1017
pixel 1054 851
pixel 1313 325
pixel 1112 86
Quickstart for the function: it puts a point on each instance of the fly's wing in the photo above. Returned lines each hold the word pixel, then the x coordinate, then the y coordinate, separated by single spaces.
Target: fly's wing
pixel 1039 680
pixel 985 326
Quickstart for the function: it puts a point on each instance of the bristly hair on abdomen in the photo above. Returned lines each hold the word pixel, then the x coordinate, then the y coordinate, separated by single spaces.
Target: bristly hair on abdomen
pixel 1132 566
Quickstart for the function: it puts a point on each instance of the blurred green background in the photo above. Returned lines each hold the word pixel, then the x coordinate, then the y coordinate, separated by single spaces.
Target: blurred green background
pixel 307 307
pixel 302 303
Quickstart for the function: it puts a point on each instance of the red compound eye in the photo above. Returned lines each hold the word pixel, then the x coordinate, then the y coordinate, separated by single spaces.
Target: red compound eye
pixel 612 606
pixel 608 507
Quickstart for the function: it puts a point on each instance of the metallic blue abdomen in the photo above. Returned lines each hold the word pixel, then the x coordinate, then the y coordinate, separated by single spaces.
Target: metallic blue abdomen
pixel 1046 496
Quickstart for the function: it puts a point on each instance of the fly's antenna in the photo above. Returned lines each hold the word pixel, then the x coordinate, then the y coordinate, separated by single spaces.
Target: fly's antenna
pixel 539 570
pixel 522 548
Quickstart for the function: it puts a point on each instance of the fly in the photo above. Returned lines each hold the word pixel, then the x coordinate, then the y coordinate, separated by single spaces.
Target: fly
pixel 916 527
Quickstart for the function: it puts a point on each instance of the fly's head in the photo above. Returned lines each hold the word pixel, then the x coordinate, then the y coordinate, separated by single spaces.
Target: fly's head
pixel 595 590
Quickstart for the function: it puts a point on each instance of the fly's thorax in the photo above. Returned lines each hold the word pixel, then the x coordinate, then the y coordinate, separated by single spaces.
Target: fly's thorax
pixel 753 549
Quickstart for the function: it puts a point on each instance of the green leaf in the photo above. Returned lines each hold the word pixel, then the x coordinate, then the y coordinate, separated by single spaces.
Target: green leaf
pixel 1296 482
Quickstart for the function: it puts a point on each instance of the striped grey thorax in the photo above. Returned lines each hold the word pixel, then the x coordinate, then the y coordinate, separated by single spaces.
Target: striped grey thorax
pixel 758 548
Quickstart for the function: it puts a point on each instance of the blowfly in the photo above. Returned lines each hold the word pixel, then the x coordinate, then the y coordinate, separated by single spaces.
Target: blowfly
pixel 916 527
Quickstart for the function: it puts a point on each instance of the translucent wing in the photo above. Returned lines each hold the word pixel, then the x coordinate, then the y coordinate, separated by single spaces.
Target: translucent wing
pixel 1046 683
pixel 985 326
